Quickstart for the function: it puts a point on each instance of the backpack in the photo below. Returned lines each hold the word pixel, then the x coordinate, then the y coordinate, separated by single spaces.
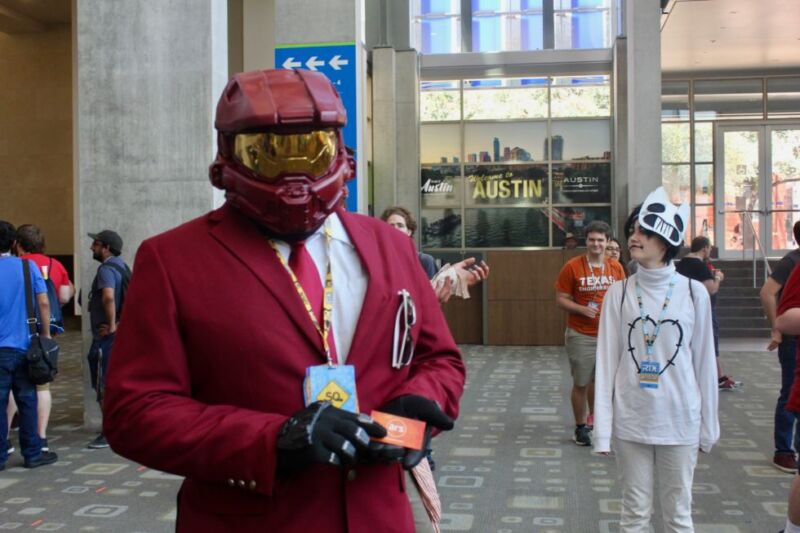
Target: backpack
pixel 56 316
pixel 126 274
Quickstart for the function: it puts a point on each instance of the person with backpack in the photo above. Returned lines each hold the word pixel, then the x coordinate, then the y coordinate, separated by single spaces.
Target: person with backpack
pixel 22 288
pixel 60 290
pixel 656 382
pixel 105 307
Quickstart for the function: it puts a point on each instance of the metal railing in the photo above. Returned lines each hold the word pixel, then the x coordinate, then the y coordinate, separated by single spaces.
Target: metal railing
pixel 747 218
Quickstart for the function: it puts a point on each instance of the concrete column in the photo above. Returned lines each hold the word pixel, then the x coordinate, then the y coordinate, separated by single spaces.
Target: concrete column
pixel 395 115
pixel 148 75
pixel 641 100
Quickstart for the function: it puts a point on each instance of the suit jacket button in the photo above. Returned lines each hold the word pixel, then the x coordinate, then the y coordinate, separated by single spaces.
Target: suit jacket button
pixel 252 485
pixel 241 484
pixel 351 475
pixel 231 482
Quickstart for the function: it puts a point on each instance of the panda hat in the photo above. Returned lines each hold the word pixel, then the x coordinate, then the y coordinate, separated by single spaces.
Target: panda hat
pixel 661 216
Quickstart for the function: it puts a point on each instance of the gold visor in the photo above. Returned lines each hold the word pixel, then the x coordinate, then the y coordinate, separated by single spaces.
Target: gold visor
pixel 271 154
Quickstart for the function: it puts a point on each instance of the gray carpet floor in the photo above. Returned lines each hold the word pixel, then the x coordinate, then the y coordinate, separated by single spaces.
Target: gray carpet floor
pixel 509 466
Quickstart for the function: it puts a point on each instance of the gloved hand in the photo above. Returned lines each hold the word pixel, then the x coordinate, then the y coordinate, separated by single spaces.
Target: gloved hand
pixel 419 408
pixel 321 433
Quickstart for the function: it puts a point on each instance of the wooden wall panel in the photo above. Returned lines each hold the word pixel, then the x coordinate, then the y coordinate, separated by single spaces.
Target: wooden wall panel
pixel 525 323
pixel 464 317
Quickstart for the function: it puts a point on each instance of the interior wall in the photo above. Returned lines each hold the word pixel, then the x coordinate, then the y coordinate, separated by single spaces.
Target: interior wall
pixel 36 134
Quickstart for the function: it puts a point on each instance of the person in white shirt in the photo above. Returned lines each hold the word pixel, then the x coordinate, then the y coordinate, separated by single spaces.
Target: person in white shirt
pixel 656 379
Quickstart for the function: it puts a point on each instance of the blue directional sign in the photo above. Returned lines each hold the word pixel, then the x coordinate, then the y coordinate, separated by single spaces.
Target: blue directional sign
pixel 338 62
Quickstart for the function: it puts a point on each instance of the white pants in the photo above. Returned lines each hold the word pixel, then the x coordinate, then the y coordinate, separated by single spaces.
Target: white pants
pixel 639 465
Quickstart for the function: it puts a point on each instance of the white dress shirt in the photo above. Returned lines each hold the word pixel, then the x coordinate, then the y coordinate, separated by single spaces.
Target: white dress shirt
pixel 348 274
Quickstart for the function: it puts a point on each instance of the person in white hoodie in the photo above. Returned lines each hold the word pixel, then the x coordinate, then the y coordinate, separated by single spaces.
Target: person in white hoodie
pixel 656 378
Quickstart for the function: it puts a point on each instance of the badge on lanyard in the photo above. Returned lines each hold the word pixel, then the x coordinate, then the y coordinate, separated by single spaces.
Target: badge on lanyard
pixel 335 384
pixel 648 374
pixel 330 382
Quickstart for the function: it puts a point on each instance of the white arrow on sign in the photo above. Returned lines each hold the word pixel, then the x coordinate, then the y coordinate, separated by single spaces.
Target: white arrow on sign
pixel 289 64
pixel 336 62
pixel 313 63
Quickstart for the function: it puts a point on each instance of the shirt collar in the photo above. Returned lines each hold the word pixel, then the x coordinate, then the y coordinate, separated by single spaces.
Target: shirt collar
pixel 338 233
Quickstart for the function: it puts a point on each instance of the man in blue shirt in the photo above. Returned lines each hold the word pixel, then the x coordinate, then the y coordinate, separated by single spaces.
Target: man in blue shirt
pixel 14 343
pixel 105 305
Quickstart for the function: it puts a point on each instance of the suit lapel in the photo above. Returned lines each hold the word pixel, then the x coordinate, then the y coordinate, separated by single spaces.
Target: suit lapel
pixel 241 238
pixel 377 295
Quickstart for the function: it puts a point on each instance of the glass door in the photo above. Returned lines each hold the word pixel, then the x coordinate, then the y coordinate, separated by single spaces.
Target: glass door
pixel 783 162
pixel 758 176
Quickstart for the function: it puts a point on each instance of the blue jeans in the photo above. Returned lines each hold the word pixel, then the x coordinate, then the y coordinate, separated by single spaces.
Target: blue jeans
pixel 787 440
pixel 14 378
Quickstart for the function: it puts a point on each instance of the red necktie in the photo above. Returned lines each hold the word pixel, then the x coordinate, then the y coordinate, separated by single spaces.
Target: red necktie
pixel 305 270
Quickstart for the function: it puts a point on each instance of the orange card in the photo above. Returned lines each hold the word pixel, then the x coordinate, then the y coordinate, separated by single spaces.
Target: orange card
pixel 404 432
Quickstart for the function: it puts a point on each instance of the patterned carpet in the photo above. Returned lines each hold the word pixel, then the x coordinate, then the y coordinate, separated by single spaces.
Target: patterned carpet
pixel 509 466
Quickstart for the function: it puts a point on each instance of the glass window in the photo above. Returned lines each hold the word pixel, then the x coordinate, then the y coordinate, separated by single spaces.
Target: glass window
pixel 506 184
pixel 783 97
pixel 582 183
pixel 437 26
pixel 439 100
pixel 703 142
pixel 440 143
pixel 505 99
pixel 675 179
pixel 582 24
pixel 574 220
pixel 704 222
pixel 531 28
pixel 728 99
pixel 675 100
pixel 675 143
pixel 704 184
pixel 441 186
pixel 503 142
pixel 509 227
pixel 580 97
pixel 440 228
pixel 580 139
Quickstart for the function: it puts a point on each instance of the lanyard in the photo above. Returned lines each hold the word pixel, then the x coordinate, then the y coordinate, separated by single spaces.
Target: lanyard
pixel 650 340
pixel 597 280
pixel 327 301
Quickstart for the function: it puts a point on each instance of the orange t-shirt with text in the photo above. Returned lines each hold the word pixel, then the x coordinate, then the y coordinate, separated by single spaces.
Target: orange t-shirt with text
pixel 587 284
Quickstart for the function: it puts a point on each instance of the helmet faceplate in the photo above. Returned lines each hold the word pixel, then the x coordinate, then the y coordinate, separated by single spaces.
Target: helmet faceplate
pixel 282 101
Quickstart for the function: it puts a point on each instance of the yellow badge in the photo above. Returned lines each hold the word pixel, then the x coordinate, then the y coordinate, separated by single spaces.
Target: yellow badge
pixel 333 393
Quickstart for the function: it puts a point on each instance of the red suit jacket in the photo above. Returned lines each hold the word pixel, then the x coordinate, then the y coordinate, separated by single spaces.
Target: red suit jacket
pixel 208 364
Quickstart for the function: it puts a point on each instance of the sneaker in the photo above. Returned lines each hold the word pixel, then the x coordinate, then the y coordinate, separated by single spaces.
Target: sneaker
pixel 98 442
pixel 11 448
pixel 45 447
pixel 46 458
pixel 726 383
pixel 785 462
pixel 583 436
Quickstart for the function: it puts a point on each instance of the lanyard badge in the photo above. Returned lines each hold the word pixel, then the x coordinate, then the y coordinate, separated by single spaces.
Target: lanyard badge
pixel 329 382
pixel 403 342
pixel 335 384
pixel 650 370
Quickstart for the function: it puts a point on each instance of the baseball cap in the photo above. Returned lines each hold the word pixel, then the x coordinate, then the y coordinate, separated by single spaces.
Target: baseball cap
pixel 109 238
pixel 570 236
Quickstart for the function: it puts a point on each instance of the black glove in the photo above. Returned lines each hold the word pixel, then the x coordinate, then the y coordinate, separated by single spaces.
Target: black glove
pixel 321 433
pixel 419 408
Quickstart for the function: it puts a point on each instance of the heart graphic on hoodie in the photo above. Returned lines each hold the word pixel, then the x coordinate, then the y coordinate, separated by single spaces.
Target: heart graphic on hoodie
pixel 664 323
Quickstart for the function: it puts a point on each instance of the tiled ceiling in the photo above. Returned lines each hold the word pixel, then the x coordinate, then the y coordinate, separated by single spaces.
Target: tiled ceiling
pixel 728 35
pixel 29 16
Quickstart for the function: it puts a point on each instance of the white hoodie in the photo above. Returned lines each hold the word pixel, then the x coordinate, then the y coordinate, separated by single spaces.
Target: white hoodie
pixel 683 409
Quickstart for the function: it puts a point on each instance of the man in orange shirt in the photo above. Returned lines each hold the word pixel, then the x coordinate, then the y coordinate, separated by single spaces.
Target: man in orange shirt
pixel 580 288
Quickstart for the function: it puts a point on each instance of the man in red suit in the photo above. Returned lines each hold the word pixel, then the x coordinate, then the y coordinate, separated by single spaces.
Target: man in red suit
pixel 231 319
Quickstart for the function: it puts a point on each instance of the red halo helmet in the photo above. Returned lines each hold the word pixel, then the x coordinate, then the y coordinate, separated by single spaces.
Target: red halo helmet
pixel 281 156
